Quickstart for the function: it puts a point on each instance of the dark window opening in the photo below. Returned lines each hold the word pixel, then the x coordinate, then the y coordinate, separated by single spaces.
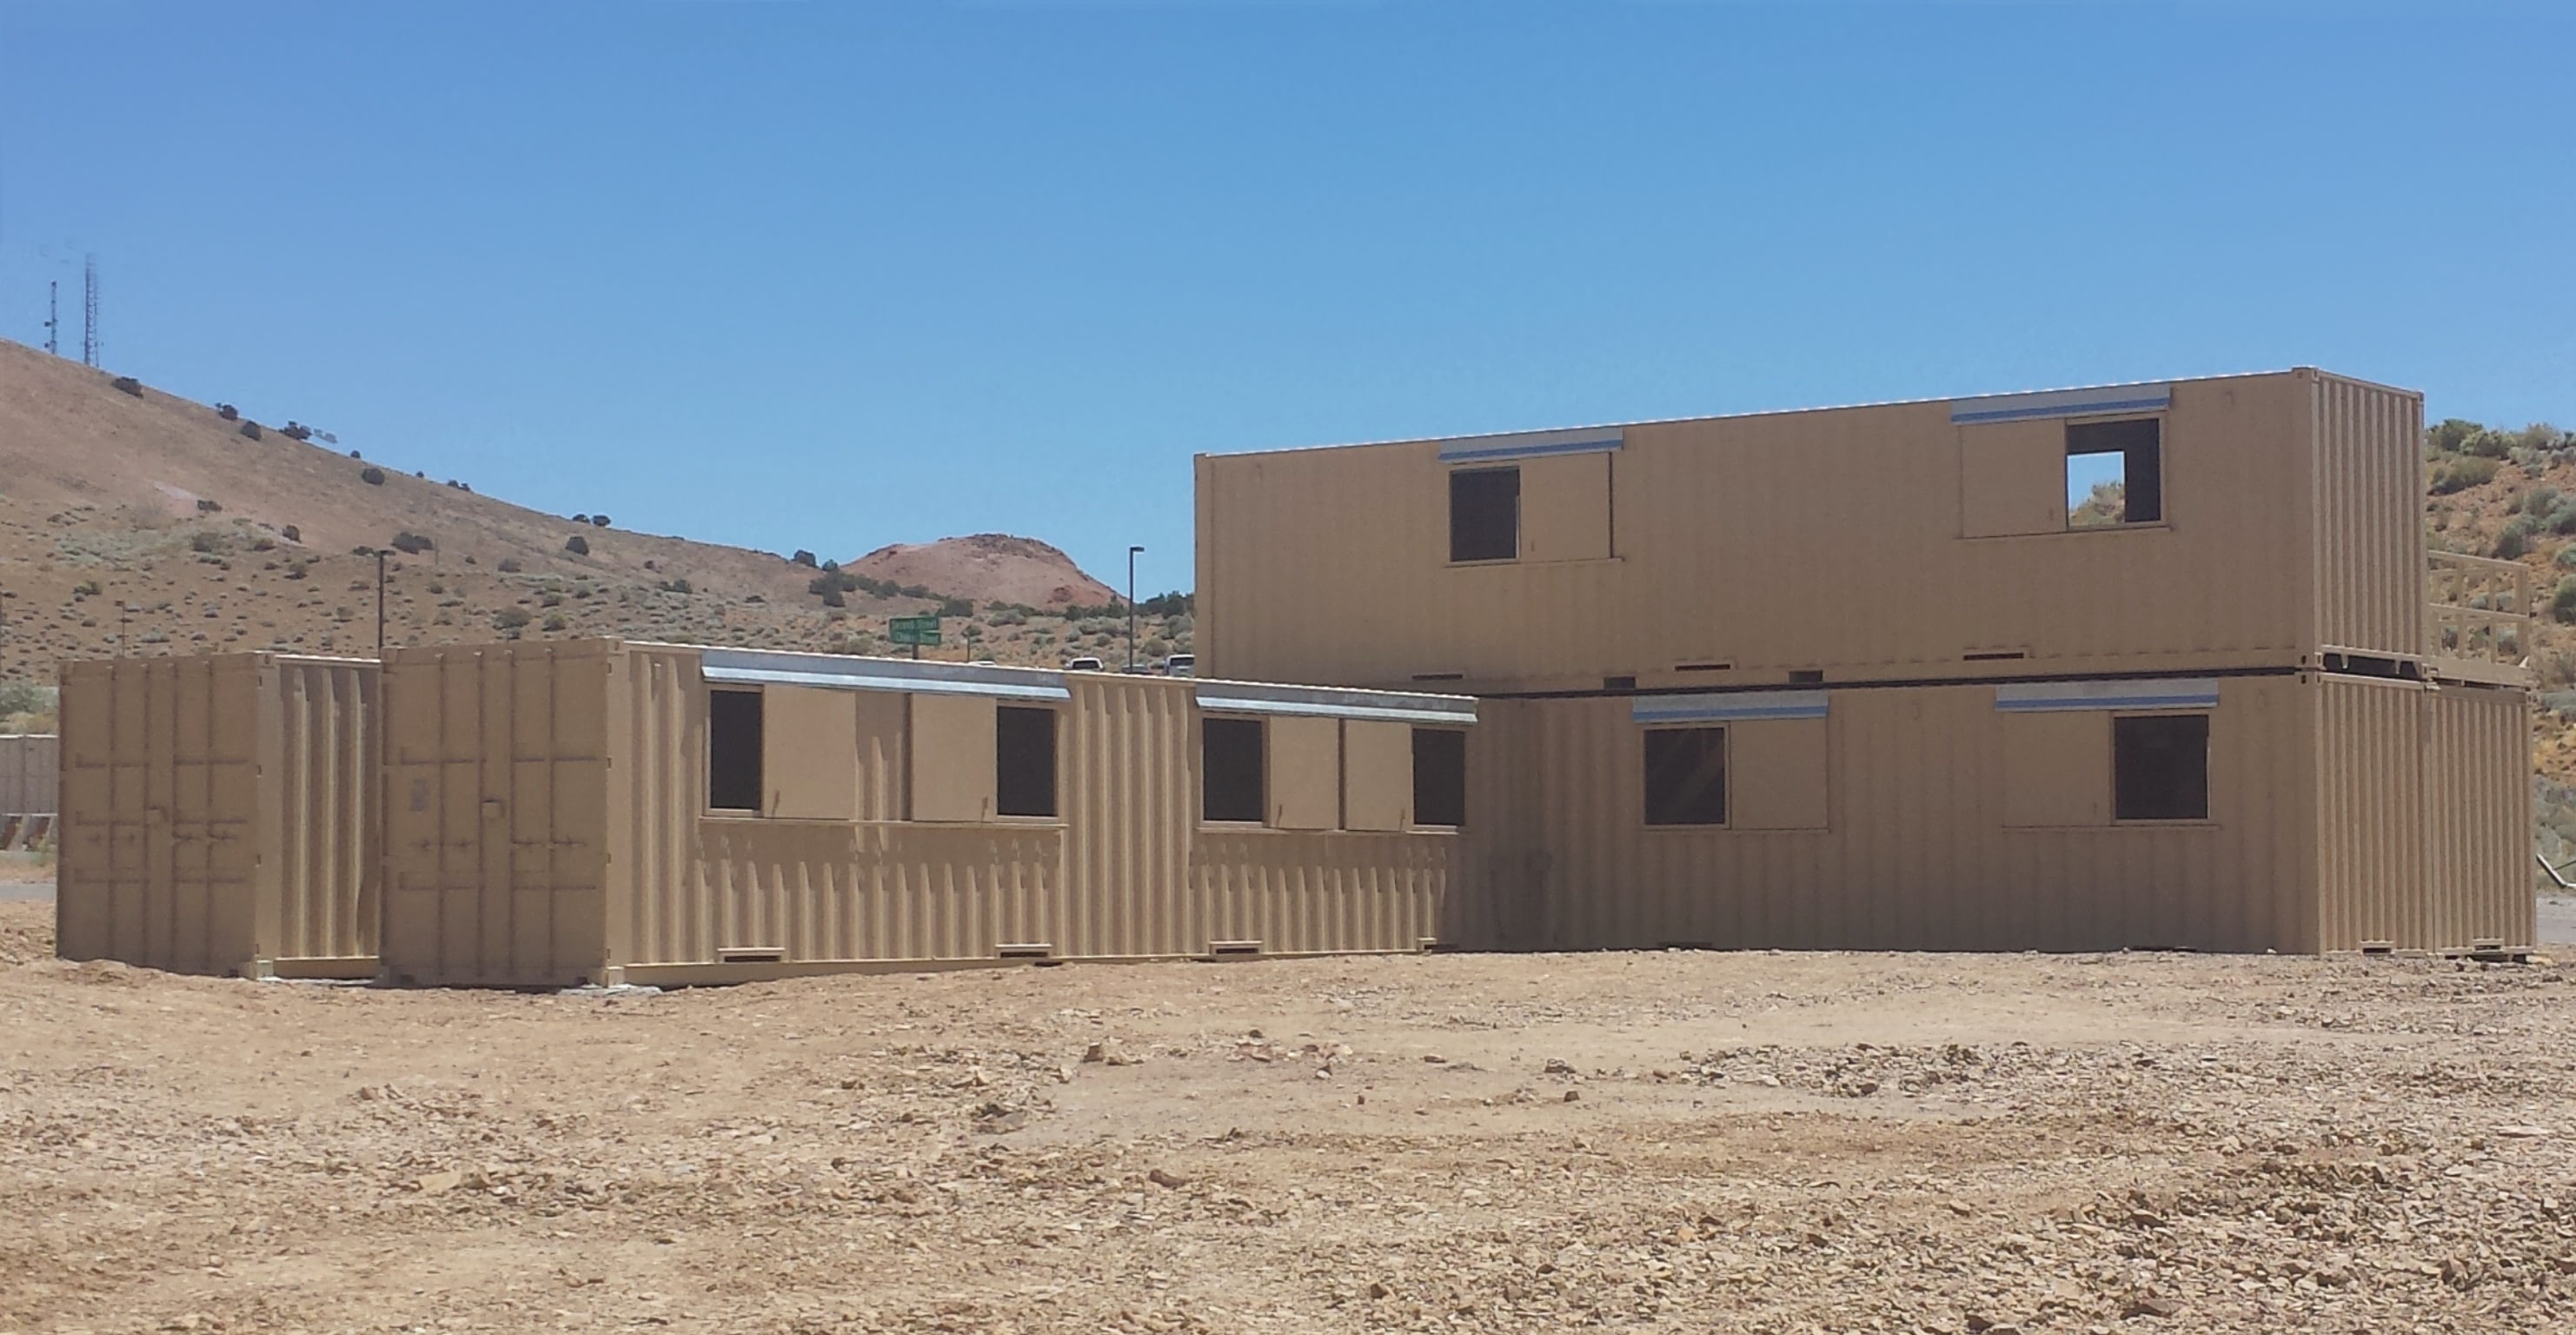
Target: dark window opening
pixel 1023 761
pixel 1686 776
pixel 1806 676
pixel 2160 767
pixel 1622 683
pixel 733 750
pixel 1439 777
pixel 1233 780
pixel 1485 514
pixel 2115 472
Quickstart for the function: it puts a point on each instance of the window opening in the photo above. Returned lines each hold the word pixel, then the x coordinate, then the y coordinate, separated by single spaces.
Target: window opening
pixel 1485 514
pixel 733 750
pixel 1023 761
pixel 1233 778
pixel 2160 767
pixel 1686 776
pixel 1439 777
pixel 2114 472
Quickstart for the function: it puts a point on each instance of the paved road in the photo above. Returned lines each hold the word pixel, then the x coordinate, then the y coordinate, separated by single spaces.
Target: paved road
pixel 2558 920
pixel 26 889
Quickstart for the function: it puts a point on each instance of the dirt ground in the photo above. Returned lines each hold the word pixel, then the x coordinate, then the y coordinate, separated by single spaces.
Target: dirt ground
pixel 1683 1141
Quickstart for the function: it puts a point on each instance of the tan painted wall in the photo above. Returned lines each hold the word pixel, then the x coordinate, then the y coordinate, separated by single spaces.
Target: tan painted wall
pixel 2477 796
pixel 497 825
pixel 1377 775
pixel 1917 854
pixel 220 814
pixel 2368 516
pixel 2371 814
pixel 688 895
pixel 30 773
pixel 1835 540
pixel 2345 813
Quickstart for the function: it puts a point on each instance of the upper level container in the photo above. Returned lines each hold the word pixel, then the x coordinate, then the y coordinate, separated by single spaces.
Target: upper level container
pixel 2260 520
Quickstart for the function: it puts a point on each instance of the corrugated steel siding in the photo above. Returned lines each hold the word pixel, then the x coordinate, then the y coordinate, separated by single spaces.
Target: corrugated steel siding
pixel 1300 892
pixel 1741 540
pixel 319 856
pixel 1130 773
pixel 1916 857
pixel 2371 827
pixel 2368 511
pixel 30 773
pixel 2477 848
pixel 218 813
pixel 498 829
pixel 820 891
pixel 160 812
pixel 658 908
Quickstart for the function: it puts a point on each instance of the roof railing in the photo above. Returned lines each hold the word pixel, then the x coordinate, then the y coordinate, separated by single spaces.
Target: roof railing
pixel 2480 606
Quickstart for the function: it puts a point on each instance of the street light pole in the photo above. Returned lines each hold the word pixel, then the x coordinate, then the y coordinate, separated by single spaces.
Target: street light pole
pixel 380 604
pixel 1131 607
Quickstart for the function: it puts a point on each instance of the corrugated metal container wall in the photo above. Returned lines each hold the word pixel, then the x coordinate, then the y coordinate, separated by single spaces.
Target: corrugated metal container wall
pixel 2370 814
pixel 1311 893
pixel 319 851
pixel 497 842
pixel 1131 803
pixel 2368 505
pixel 2477 849
pixel 219 814
pixel 160 813
pixel 1332 565
pixel 30 772
pixel 1916 854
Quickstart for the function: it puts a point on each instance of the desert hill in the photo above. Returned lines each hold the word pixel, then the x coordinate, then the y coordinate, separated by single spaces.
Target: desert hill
pixel 999 567
pixel 130 517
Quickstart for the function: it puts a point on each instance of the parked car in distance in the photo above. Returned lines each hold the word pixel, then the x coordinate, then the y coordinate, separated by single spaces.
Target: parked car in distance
pixel 1086 663
pixel 1182 665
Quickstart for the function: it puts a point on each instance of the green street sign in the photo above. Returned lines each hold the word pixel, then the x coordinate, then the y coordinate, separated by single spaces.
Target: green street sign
pixel 919 631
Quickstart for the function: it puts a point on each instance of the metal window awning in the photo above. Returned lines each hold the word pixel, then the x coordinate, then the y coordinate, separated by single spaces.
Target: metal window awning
pixel 2061 403
pixel 1726 706
pixel 1531 445
pixel 2159 693
pixel 839 672
pixel 1236 697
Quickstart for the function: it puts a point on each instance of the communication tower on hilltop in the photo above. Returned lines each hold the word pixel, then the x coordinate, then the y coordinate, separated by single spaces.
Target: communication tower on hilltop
pixel 53 313
pixel 89 312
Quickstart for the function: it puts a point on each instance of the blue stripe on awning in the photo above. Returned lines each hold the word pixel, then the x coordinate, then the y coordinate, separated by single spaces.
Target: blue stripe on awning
pixel 1725 706
pixel 2061 403
pixel 2051 696
pixel 1237 697
pixel 1531 445
pixel 851 673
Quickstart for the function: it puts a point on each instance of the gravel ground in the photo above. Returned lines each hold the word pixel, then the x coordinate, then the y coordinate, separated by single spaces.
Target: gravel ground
pixel 1682 1141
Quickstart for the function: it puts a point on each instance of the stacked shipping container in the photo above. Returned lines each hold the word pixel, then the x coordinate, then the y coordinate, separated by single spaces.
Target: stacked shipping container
pixel 1903 677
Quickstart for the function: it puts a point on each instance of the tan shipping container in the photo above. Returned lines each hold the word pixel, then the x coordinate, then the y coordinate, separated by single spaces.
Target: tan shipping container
pixel 1899 542
pixel 2341 814
pixel 30 772
pixel 553 818
pixel 220 815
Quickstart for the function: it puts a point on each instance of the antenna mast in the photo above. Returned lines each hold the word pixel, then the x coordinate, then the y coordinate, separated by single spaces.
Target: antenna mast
pixel 89 312
pixel 53 313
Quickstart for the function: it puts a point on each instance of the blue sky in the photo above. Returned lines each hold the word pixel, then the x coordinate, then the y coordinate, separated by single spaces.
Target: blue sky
pixel 831 275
